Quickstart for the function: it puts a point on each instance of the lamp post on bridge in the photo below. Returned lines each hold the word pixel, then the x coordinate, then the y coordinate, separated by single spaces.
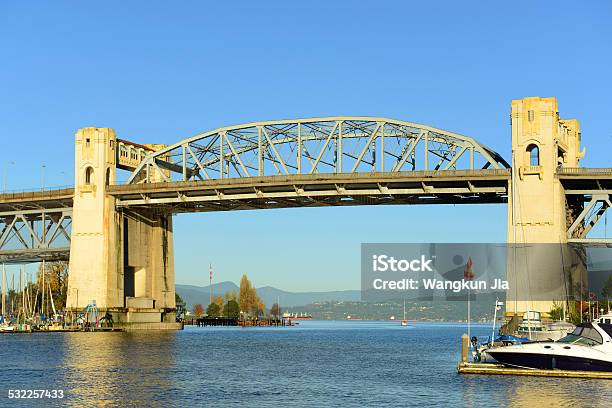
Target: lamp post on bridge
pixel 6 164
pixel 42 179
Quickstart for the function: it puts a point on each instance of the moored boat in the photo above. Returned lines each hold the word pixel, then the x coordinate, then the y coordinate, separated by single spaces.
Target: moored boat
pixel 587 348
pixel 534 329
pixel 6 328
pixel 606 318
pixel 404 322
pixel 295 316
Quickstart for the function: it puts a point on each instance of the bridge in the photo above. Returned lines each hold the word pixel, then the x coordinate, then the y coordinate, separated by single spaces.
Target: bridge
pixel 118 237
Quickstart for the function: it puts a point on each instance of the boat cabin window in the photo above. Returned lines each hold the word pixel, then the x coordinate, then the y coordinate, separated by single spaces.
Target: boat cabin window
pixel 583 335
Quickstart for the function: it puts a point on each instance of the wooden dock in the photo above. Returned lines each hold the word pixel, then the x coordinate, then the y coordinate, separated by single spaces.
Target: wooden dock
pixel 499 369
pixel 229 321
pixel 59 329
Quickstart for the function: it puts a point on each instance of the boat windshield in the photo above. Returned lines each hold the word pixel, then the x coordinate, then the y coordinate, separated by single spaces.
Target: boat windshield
pixel 584 335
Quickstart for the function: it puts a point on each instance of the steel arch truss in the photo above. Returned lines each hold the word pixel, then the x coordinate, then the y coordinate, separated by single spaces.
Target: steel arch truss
pixel 592 212
pixel 35 234
pixel 335 145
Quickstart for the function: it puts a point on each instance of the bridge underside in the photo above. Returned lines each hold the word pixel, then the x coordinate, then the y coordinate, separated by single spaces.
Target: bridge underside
pixel 34 255
pixel 591 191
pixel 441 187
pixel 35 226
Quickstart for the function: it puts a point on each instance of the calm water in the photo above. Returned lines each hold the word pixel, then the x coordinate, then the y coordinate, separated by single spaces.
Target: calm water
pixel 316 364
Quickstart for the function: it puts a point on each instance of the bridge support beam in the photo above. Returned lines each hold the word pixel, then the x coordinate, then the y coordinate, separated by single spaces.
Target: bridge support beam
pixel 123 263
pixel 542 268
pixel 148 265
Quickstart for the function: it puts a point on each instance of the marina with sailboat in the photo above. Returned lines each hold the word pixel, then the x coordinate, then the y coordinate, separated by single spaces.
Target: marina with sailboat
pixel 29 307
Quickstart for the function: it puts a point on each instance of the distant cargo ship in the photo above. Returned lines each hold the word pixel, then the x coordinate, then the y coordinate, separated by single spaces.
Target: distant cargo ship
pixel 295 316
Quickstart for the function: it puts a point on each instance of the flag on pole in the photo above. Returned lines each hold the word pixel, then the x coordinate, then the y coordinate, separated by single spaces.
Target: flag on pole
pixel 468 273
pixel 210 286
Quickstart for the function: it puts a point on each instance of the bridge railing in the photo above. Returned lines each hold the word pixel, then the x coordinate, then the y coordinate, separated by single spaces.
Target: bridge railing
pixel 331 177
pixel 56 192
pixel 584 170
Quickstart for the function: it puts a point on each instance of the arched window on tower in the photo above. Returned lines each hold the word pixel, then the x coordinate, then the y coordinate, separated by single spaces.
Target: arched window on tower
pixel 108 177
pixel 89 175
pixel 534 155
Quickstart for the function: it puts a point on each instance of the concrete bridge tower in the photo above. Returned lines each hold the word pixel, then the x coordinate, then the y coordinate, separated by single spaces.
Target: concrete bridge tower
pixel 95 272
pixel 120 261
pixel 542 267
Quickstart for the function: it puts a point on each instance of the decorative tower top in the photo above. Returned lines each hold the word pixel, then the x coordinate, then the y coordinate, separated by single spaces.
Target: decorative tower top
pixel 541 142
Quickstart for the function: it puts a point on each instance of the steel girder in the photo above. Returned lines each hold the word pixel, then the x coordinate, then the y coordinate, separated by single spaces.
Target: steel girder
pixel 592 212
pixel 589 193
pixel 35 234
pixel 334 145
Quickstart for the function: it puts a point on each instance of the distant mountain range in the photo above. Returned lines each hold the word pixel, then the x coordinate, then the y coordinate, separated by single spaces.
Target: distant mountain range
pixel 200 294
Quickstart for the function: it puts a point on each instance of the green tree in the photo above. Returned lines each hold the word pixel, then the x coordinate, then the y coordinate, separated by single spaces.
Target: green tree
pixel 231 309
pixel 180 303
pixel 556 311
pixel 213 310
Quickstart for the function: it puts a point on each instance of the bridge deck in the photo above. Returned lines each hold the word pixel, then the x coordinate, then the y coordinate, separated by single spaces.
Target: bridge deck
pixel 36 200
pixel 20 256
pixel 442 187
pixel 462 186
pixel 586 181
pixel 415 187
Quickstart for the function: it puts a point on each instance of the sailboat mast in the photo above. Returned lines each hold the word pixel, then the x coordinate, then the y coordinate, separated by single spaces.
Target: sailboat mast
pixel 51 299
pixel 42 306
pixel 3 290
pixel 22 290
pixel 513 212
pixel 12 294
pixel 29 295
pixel 494 320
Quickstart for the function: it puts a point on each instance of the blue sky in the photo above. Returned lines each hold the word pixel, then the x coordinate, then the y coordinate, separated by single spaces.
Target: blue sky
pixel 158 72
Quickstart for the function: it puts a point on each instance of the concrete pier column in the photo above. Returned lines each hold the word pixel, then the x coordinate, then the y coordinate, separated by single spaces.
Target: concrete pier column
pixel 540 265
pixel 95 273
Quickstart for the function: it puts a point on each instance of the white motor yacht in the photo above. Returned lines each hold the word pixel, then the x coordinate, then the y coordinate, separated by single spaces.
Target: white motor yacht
pixel 587 348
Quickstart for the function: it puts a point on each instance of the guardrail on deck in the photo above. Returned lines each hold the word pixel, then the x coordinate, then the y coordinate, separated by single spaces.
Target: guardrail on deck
pixel 569 171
